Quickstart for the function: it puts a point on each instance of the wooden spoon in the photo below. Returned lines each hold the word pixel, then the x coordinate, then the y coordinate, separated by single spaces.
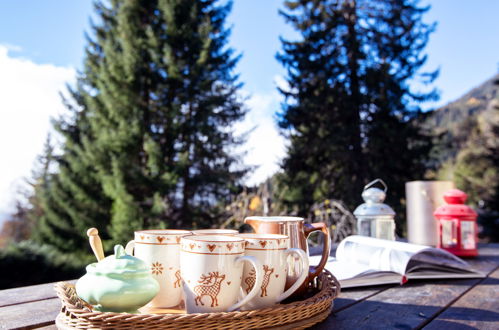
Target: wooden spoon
pixel 95 243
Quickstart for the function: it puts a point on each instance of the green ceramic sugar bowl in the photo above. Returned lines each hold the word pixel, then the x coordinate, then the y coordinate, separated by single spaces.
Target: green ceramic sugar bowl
pixel 117 283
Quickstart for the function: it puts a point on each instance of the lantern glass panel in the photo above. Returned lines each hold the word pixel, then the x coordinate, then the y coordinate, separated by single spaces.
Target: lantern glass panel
pixel 449 233
pixel 467 234
pixel 384 229
pixel 365 226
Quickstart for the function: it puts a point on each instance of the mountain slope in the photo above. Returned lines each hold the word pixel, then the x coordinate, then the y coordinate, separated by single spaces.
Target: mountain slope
pixel 470 104
pixel 452 124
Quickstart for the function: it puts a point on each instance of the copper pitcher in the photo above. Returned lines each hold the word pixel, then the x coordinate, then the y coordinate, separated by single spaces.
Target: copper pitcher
pixel 298 232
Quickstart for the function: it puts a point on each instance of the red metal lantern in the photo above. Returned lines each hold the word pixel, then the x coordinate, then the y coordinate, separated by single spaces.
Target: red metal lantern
pixel 456 224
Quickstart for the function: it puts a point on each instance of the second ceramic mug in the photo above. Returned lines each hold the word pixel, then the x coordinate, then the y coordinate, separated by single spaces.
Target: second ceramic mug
pixel 272 251
pixel 161 250
pixel 212 271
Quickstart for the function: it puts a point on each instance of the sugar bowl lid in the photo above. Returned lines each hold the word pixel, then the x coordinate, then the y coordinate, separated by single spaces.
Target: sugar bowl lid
pixel 118 263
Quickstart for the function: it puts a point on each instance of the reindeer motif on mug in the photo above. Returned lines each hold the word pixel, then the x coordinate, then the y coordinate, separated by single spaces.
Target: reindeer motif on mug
pixel 210 286
pixel 266 278
pixel 250 280
pixel 176 284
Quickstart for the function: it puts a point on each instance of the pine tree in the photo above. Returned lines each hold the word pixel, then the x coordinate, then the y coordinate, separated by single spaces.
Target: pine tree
pixel 149 142
pixel 349 111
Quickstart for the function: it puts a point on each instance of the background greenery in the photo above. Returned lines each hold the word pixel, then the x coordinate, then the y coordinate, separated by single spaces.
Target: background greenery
pixel 149 142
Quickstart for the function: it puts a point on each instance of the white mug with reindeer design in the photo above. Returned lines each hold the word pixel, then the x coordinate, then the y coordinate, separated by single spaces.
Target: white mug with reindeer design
pixel 272 250
pixel 212 270
pixel 161 250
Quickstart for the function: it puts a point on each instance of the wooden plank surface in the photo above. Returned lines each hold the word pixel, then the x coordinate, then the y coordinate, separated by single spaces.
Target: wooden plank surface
pixel 476 309
pixel 410 305
pixel 402 307
pixel 29 315
pixel 353 296
pixel 27 294
pixel 445 304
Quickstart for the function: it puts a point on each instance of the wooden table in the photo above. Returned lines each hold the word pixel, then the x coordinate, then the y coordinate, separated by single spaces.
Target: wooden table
pixel 442 304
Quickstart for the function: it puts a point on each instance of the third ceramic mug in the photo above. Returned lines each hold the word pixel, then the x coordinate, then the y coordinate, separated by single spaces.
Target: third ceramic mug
pixel 161 250
pixel 298 232
pixel 214 231
pixel 272 251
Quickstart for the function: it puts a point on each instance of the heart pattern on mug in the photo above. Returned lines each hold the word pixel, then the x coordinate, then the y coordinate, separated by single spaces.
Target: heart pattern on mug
pixel 160 239
pixel 228 283
pixel 263 243
pixel 211 247
pixel 230 246
pixel 141 237
pixel 192 245
pixel 276 275
pixel 178 239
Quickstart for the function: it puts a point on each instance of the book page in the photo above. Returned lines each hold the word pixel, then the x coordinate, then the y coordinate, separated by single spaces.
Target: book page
pixel 362 261
pixel 378 254
pixel 352 274
pixel 439 261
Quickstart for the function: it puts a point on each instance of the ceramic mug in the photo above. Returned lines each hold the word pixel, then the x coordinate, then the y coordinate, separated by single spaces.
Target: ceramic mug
pixel 272 251
pixel 160 249
pixel 298 232
pixel 212 269
pixel 224 232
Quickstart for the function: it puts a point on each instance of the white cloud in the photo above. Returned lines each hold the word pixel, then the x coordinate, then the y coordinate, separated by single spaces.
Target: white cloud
pixel 264 146
pixel 29 97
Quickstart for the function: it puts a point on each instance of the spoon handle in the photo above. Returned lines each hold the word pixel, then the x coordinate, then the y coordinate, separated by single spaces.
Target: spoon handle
pixel 95 243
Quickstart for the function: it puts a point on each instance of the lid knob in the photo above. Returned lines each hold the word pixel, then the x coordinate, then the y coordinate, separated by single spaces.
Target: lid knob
pixel 455 196
pixel 119 251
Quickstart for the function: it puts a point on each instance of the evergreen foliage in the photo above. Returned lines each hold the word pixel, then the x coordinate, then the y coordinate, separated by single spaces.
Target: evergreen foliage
pixel 148 142
pixel 476 168
pixel 30 263
pixel 466 149
pixel 349 112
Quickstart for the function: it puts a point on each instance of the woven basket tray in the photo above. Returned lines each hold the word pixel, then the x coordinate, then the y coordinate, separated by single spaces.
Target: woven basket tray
pixel 76 314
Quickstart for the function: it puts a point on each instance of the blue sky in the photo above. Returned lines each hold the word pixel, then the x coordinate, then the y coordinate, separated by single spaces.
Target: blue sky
pixel 465 44
pixel 42 42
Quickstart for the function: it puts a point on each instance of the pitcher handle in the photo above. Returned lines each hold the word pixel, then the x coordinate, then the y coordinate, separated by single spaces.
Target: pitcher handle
pixel 326 246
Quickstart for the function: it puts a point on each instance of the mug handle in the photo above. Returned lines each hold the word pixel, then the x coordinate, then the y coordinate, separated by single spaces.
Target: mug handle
pixel 303 276
pixel 326 246
pixel 258 280
pixel 130 247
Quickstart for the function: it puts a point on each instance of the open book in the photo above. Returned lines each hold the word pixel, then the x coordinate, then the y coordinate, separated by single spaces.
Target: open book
pixel 363 261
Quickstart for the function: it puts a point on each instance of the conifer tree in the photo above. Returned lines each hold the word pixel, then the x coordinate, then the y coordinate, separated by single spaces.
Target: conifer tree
pixel 148 143
pixel 349 112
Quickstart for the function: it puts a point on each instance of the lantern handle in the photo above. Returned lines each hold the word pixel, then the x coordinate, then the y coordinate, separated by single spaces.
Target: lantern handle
pixel 374 182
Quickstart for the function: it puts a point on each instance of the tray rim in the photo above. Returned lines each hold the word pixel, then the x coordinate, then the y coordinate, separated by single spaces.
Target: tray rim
pixel 328 288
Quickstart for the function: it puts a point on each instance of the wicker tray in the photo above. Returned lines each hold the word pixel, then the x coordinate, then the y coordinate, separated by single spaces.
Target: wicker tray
pixel 76 314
